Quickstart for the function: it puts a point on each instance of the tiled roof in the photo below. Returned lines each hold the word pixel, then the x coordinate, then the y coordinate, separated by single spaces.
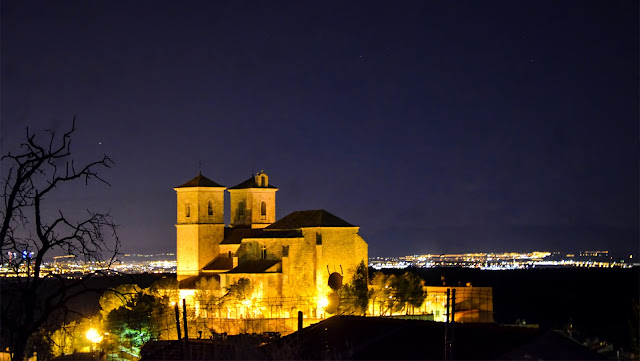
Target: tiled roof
pixel 251 183
pixel 254 266
pixel 368 338
pixel 287 233
pixel 314 218
pixel 236 234
pixel 200 181
pixel 190 282
pixel 221 263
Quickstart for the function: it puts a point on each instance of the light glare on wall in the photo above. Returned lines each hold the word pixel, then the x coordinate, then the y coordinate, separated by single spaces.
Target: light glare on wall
pixel 323 302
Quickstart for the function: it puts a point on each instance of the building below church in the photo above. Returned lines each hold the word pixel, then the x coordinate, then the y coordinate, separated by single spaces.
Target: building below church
pixel 288 259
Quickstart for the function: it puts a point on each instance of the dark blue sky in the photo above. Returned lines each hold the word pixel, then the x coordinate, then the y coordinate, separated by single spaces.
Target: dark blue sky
pixel 436 126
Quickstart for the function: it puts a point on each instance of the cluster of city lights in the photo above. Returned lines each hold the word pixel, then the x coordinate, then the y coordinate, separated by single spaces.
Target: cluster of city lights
pixel 505 261
pixel 166 262
pixel 19 265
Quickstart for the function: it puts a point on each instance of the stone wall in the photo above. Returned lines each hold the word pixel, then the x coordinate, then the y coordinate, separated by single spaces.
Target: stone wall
pixel 198 233
pixel 197 245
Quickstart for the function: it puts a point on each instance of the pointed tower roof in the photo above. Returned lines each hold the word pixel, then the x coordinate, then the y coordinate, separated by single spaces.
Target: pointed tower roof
pixel 200 181
pixel 250 183
pixel 253 183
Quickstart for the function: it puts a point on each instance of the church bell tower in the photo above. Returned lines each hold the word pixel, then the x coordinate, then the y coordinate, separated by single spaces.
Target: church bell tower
pixel 200 224
pixel 253 202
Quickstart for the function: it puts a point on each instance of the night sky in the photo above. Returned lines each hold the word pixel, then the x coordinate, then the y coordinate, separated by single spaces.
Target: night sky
pixel 435 126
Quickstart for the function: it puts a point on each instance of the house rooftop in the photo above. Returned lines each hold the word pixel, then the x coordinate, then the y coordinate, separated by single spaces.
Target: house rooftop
pixel 255 266
pixel 369 338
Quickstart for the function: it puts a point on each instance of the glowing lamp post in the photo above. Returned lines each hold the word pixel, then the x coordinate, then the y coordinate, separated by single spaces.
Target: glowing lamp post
pixel 329 303
pixel 94 336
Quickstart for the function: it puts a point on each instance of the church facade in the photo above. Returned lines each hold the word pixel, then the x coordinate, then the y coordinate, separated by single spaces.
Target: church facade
pixel 292 257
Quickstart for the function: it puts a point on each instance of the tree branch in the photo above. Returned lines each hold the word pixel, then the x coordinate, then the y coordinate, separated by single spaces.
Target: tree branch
pixel 34 172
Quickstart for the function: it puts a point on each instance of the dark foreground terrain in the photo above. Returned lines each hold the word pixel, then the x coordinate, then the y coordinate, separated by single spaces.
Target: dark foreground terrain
pixel 595 302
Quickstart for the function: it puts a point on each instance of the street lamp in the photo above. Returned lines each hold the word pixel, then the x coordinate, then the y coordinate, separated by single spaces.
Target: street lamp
pixel 94 336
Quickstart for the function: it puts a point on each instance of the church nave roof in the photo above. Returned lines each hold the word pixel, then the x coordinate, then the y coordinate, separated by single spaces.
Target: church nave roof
pixel 312 218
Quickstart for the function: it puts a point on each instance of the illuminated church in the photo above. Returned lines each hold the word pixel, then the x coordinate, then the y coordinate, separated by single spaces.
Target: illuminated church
pixel 291 257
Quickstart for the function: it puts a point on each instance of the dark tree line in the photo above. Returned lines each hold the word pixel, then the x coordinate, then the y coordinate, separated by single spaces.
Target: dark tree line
pixel 387 294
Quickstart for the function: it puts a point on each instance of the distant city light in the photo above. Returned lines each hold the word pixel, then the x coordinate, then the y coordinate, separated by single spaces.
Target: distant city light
pixel 503 261
pixel 165 263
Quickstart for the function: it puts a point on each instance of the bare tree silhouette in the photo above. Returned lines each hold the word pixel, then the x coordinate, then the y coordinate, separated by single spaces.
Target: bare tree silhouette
pixel 32 298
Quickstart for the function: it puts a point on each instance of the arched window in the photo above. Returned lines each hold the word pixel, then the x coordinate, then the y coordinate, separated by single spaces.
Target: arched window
pixel 188 211
pixel 262 181
pixel 210 209
pixel 263 210
pixel 264 252
pixel 241 209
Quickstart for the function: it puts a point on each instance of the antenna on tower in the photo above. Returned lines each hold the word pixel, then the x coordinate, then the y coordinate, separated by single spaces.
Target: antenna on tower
pixel 200 167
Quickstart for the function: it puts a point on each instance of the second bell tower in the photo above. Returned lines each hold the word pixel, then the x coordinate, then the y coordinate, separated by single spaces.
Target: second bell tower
pixel 253 202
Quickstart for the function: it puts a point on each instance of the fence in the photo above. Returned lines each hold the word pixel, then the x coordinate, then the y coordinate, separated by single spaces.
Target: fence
pixel 130 329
